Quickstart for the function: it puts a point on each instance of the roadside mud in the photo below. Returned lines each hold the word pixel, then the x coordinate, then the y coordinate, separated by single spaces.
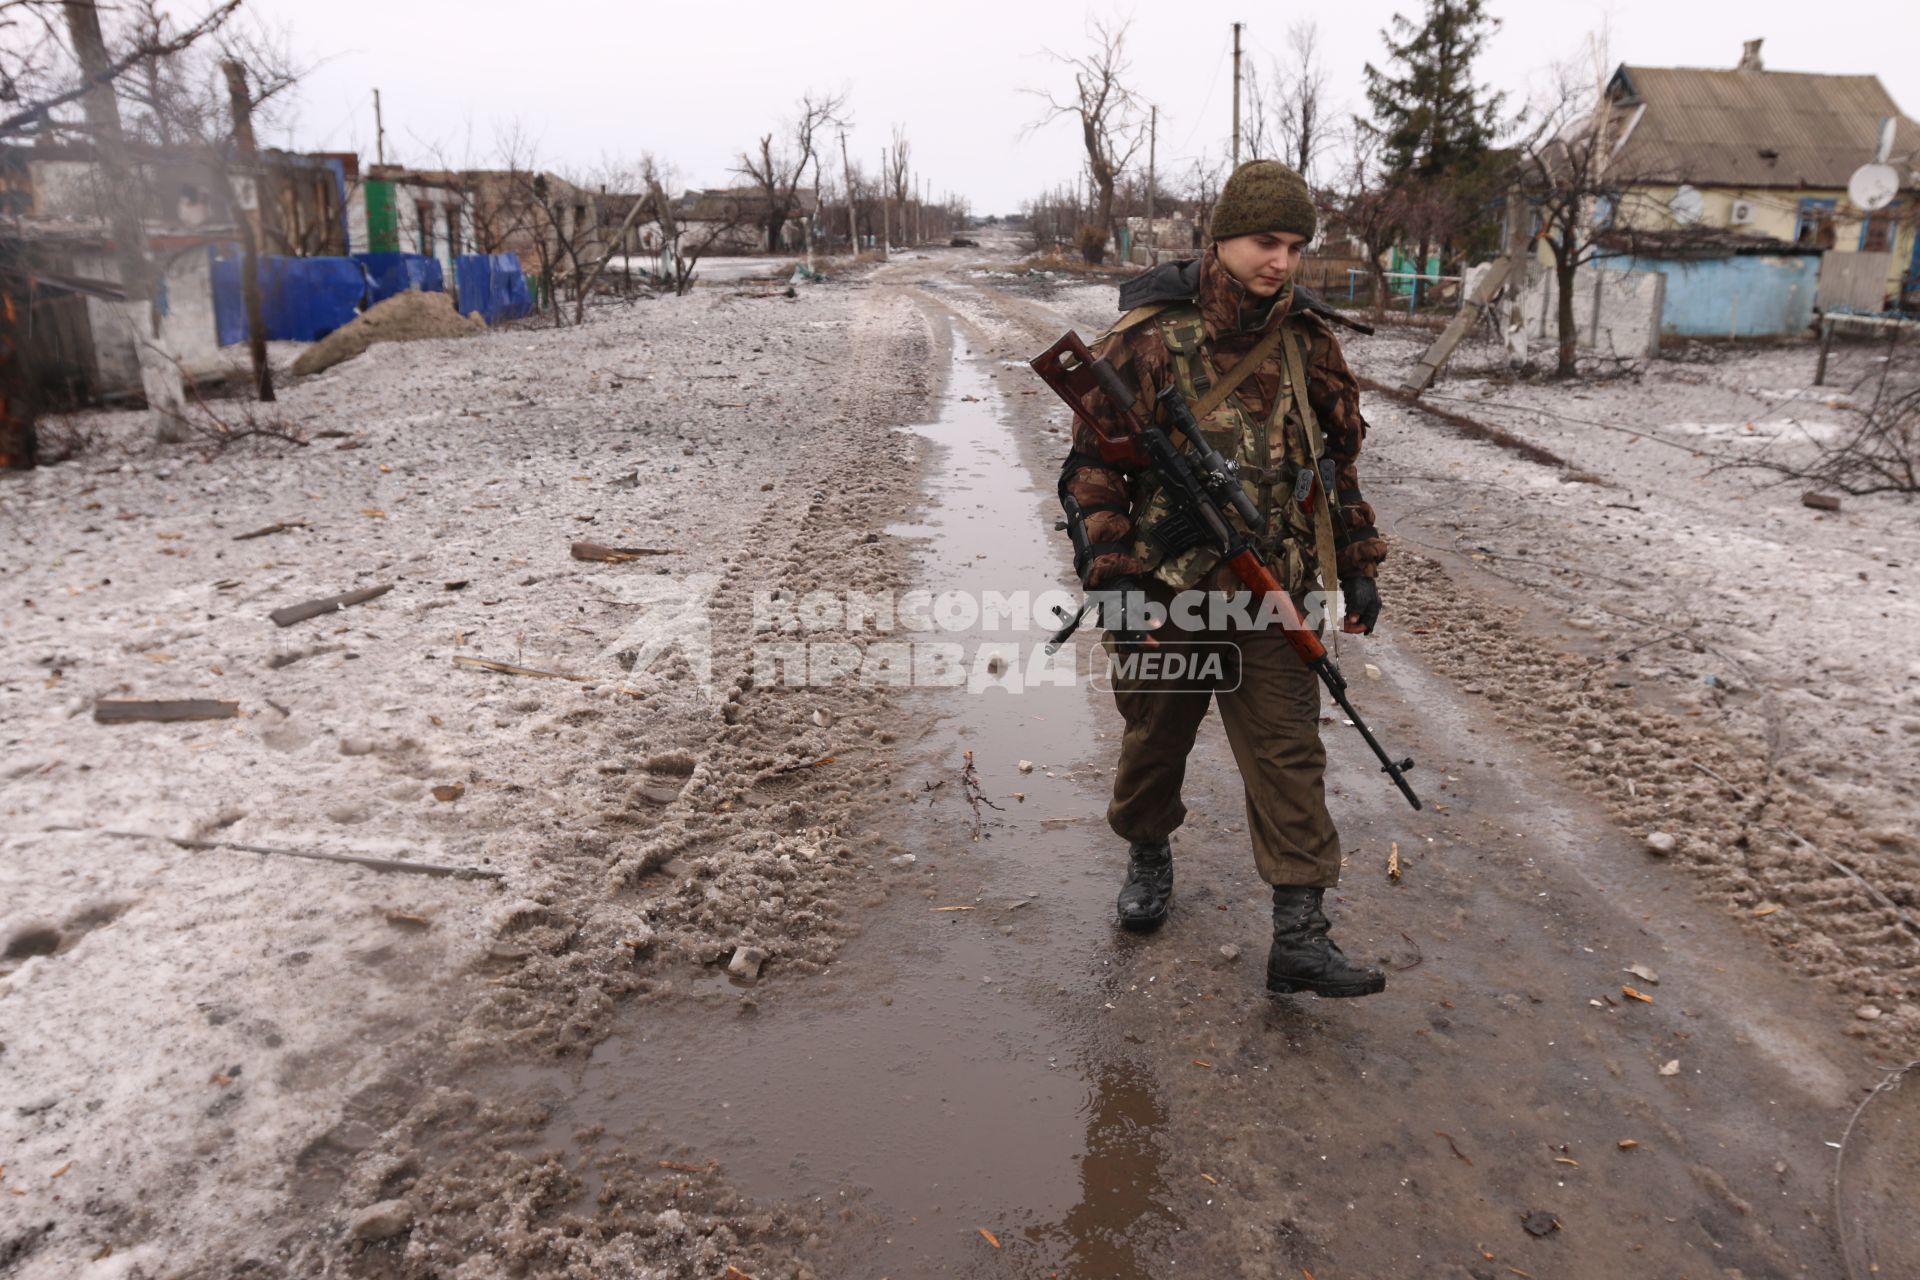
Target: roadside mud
pixel 775 981
pixel 942 1094
pixel 645 814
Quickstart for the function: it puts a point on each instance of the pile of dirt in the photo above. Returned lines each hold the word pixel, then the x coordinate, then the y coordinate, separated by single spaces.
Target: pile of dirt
pixel 404 317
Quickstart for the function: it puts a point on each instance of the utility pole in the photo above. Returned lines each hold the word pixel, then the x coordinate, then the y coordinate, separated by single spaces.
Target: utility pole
pixel 380 128
pixel 1153 142
pixel 886 206
pixel 853 231
pixel 240 103
pixel 121 187
pixel 1236 95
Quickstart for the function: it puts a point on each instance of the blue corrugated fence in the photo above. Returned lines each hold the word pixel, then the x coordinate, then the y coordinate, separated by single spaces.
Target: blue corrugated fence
pixel 493 285
pixel 301 299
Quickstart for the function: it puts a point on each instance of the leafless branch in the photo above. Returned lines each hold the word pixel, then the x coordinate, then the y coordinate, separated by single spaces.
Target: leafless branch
pixel 1108 112
pixel 145 49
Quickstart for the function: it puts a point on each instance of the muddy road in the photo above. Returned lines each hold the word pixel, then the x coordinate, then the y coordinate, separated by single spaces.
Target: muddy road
pixel 990 1080
pixel 942 1059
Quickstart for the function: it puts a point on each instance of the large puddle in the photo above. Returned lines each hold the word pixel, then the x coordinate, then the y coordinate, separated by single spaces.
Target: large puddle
pixel 949 1078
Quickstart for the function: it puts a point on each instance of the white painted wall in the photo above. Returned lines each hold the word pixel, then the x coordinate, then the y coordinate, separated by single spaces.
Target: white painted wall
pixel 188 328
pixel 439 246
pixel 1618 312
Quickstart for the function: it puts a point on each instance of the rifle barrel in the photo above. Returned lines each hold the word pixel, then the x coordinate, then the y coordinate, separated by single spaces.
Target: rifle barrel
pixel 1395 769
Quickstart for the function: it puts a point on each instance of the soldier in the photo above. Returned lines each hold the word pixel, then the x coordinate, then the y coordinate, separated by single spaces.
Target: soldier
pixel 1291 420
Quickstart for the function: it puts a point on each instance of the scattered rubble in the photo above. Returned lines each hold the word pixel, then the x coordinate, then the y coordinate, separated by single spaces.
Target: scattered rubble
pixel 746 963
pixel 382 1221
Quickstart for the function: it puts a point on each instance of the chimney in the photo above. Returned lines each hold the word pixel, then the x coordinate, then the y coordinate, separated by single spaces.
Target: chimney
pixel 1750 56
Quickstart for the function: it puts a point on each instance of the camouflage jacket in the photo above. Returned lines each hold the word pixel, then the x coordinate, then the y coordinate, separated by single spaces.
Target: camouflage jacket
pixel 1230 324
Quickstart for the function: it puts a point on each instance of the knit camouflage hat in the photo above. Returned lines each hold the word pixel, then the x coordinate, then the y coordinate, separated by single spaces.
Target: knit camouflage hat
pixel 1264 195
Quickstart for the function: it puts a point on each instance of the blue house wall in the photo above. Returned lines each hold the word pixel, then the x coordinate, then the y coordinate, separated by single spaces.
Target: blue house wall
pixel 1744 296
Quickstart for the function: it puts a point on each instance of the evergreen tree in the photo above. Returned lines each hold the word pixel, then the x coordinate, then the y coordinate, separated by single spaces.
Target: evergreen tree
pixel 1428 111
pixel 1434 123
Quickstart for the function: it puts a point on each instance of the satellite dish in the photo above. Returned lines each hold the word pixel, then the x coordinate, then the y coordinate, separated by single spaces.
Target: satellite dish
pixel 1873 186
pixel 1687 206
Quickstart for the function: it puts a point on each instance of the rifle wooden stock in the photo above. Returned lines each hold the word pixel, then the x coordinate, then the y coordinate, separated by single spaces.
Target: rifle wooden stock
pixel 1259 579
pixel 1198 485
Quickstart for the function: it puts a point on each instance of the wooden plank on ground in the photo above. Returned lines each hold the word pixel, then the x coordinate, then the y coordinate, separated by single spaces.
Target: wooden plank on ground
pixel 616 555
pixel 508 669
pixel 279 526
pixel 293 613
pixel 1430 363
pixel 127 711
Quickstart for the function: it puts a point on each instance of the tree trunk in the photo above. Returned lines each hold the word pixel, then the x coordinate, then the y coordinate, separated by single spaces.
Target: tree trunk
pixel 241 105
pixel 1378 275
pixel 19 440
pixel 1563 269
pixel 1103 218
pixel 120 193
pixel 775 223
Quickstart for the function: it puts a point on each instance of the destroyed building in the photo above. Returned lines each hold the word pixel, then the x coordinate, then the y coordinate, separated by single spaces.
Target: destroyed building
pixel 1750 161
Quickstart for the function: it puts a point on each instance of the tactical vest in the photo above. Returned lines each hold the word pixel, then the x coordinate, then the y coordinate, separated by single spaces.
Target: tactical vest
pixel 1271 451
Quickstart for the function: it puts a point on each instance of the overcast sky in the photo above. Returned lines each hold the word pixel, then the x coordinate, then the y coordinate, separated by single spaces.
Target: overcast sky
pixel 593 80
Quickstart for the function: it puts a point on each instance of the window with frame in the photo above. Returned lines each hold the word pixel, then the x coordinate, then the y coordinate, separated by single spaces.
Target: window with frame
pixel 424 217
pixel 1815 224
pixel 1878 228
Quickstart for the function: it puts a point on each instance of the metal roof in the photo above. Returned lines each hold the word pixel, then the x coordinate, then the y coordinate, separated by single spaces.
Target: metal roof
pixel 1752 128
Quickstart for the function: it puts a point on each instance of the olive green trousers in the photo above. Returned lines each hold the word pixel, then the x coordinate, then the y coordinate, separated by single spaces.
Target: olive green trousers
pixel 1270 706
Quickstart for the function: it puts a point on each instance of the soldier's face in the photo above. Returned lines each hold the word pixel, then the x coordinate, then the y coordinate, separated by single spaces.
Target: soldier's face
pixel 1263 262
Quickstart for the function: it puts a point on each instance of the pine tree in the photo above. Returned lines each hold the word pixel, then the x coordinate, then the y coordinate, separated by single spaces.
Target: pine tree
pixel 1431 115
pixel 1435 124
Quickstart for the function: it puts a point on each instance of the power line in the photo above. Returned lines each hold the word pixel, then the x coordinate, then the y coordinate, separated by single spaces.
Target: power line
pixel 1211 86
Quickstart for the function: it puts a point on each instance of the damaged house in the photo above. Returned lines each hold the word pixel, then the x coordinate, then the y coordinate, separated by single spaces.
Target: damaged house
pixel 737 219
pixel 1734 185
pixel 55 230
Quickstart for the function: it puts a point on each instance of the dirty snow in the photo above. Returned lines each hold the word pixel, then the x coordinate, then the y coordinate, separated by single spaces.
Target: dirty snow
pixel 224 1058
pixel 214 1031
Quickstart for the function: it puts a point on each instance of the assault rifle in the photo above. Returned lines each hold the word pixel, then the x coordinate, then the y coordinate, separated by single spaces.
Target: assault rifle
pixel 1201 486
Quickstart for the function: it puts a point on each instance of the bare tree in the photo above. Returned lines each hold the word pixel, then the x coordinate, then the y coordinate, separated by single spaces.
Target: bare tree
pixel 1284 116
pixel 40 69
pixel 203 102
pixel 1259 129
pixel 507 216
pixel 520 206
pixel 681 249
pixel 778 169
pixel 1111 125
pixel 1368 208
pixel 48 65
pixel 1201 187
pixel 897 178
pixel 1880 451
pixel 1300 107
pixel 1564 175
pixel 612 174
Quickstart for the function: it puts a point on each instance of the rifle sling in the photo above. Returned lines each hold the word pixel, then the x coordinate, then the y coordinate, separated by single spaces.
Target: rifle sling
pixel 1324 550
pixel 1240 372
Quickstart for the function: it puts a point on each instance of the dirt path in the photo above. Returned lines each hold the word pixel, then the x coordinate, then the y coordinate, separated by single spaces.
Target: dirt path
pixel 952 1064
pixel 1102 1105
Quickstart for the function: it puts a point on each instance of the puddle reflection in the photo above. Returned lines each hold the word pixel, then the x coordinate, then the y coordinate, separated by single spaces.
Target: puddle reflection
pixel 1122 1213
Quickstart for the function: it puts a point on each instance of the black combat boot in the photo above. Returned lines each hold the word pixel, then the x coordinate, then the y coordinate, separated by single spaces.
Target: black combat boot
pixel 1148 892
pixel 1304 958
